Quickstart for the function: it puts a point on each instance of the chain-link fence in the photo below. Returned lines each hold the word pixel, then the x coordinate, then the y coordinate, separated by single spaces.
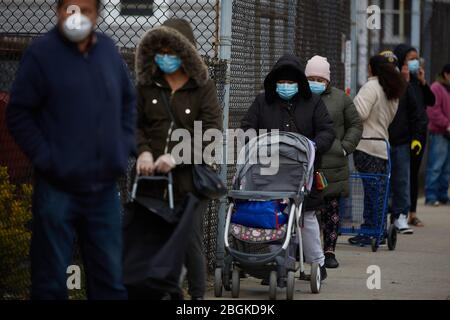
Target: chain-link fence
pixel 262 30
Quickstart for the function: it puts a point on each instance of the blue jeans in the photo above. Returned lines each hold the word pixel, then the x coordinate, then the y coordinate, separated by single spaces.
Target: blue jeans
pixel 400 180
pixel 96 220
pixel 438 169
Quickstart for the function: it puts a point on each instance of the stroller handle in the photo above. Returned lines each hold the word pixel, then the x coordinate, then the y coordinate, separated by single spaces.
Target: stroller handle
pixel 167 178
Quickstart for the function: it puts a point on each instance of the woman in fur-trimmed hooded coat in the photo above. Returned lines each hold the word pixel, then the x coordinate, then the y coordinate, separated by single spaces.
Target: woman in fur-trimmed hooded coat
pixel 196 100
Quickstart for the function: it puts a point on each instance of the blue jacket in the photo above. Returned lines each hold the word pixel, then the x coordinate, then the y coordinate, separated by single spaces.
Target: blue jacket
pixel 73 114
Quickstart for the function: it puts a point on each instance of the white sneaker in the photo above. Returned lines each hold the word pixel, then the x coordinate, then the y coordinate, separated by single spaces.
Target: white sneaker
pixel 402 225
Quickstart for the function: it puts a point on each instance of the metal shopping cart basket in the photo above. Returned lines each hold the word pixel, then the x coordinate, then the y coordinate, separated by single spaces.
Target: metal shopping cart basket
pixel 368 201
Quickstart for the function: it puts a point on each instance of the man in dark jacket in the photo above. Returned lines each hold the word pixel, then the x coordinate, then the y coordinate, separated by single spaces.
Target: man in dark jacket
pixel 72 111
pixel 287 104
pixel 408 62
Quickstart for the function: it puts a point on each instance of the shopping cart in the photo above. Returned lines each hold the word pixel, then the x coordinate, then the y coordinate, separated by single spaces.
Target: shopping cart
pixel 368 200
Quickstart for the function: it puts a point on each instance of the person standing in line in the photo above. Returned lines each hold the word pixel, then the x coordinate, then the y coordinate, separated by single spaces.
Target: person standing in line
pixel 438 163
pixel 72 111
pixel 287 104
pixel 377 104
pixel 407 126
pixel 334 163
pixel 169 64
pixel 414 74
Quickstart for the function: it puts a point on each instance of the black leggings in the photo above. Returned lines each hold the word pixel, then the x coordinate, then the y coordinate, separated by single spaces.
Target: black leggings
pixel 416 161
pixel 330 224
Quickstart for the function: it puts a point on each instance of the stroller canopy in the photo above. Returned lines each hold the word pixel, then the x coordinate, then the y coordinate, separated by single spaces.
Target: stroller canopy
pixel 289 155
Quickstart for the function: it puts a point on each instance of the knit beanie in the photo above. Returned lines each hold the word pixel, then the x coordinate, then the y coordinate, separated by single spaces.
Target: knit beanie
pixel 318 66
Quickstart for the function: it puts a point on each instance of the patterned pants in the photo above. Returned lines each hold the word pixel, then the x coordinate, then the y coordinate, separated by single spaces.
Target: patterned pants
pixel 374 189
pixel 330 224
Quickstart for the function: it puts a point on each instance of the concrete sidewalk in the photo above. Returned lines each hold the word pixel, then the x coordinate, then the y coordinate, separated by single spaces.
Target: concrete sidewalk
pixel 419 268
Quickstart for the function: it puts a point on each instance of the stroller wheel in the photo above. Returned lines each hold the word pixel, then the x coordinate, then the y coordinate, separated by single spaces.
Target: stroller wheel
pixel 392 237
pixel 218 283
pixel 226 279
pixel 374 245
pixel 316 280
pixel 235 284
pixel 273 283
pixel 290 285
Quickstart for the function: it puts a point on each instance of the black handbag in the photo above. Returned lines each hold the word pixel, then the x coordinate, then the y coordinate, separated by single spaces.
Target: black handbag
pixel 207 182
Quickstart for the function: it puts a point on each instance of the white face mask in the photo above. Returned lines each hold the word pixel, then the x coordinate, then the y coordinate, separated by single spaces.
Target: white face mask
pixel 77 27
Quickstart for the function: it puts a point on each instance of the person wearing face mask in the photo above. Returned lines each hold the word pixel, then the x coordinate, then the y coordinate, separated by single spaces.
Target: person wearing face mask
pixel 420 94
pixel 334 164
pixel 72 111
pixel 405 134
pixel 287 104
pixel 168 64
pixel 438 163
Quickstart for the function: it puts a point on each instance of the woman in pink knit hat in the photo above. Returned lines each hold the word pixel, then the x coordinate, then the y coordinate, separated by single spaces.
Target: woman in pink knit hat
pixel 334 163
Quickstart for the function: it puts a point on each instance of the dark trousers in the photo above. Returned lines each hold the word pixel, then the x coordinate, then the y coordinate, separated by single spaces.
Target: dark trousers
pixel 58 217
pixel 416 161
pixel 195 258
pixel 400 180
pixel 330 224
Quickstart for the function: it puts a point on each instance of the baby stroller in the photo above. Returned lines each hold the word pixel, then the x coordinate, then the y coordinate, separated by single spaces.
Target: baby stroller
pixel 268 253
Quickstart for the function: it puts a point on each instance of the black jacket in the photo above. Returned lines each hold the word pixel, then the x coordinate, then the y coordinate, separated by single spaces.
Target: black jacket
pixel 306 114
pixel 73 114
pixel 425 97
pixel 407 124
pixel 411 120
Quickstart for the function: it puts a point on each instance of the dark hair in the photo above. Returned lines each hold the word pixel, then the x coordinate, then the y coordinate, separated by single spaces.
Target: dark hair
pixel 445 69
pixel 59 4
pixel 390 79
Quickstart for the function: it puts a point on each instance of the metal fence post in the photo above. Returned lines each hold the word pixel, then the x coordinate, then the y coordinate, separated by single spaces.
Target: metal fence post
pixel 354 39
pixel 416 24
pixel 226 14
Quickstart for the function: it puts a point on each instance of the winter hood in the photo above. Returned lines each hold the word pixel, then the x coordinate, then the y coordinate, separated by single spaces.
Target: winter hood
pixel 293 64
pixel 401 51
pixel 177 35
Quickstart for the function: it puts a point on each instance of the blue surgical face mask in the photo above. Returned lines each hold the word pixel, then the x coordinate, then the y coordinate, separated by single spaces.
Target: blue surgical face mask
pixel 168 63
pixel 317 87
pixel 287 91
pixel 413 66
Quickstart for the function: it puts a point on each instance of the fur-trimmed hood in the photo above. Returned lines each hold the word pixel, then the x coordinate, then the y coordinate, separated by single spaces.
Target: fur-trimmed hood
pixel 176 34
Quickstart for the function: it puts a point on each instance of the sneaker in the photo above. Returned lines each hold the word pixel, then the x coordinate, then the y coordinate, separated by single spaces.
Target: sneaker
pixel 402 225
pixel 307 277
pixel 434 203
pixel 330 261
pixel 360 240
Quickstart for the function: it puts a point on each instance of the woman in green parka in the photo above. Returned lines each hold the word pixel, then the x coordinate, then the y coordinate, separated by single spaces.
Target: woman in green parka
pixel 334 164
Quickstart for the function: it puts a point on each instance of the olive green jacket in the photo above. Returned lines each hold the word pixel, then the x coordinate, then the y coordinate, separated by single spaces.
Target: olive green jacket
pixel 348 128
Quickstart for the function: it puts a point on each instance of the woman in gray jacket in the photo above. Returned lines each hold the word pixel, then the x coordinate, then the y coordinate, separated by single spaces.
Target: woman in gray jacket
pixel 334 163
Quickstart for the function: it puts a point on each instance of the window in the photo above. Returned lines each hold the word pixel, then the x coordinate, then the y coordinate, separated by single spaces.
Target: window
pixel 136 7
